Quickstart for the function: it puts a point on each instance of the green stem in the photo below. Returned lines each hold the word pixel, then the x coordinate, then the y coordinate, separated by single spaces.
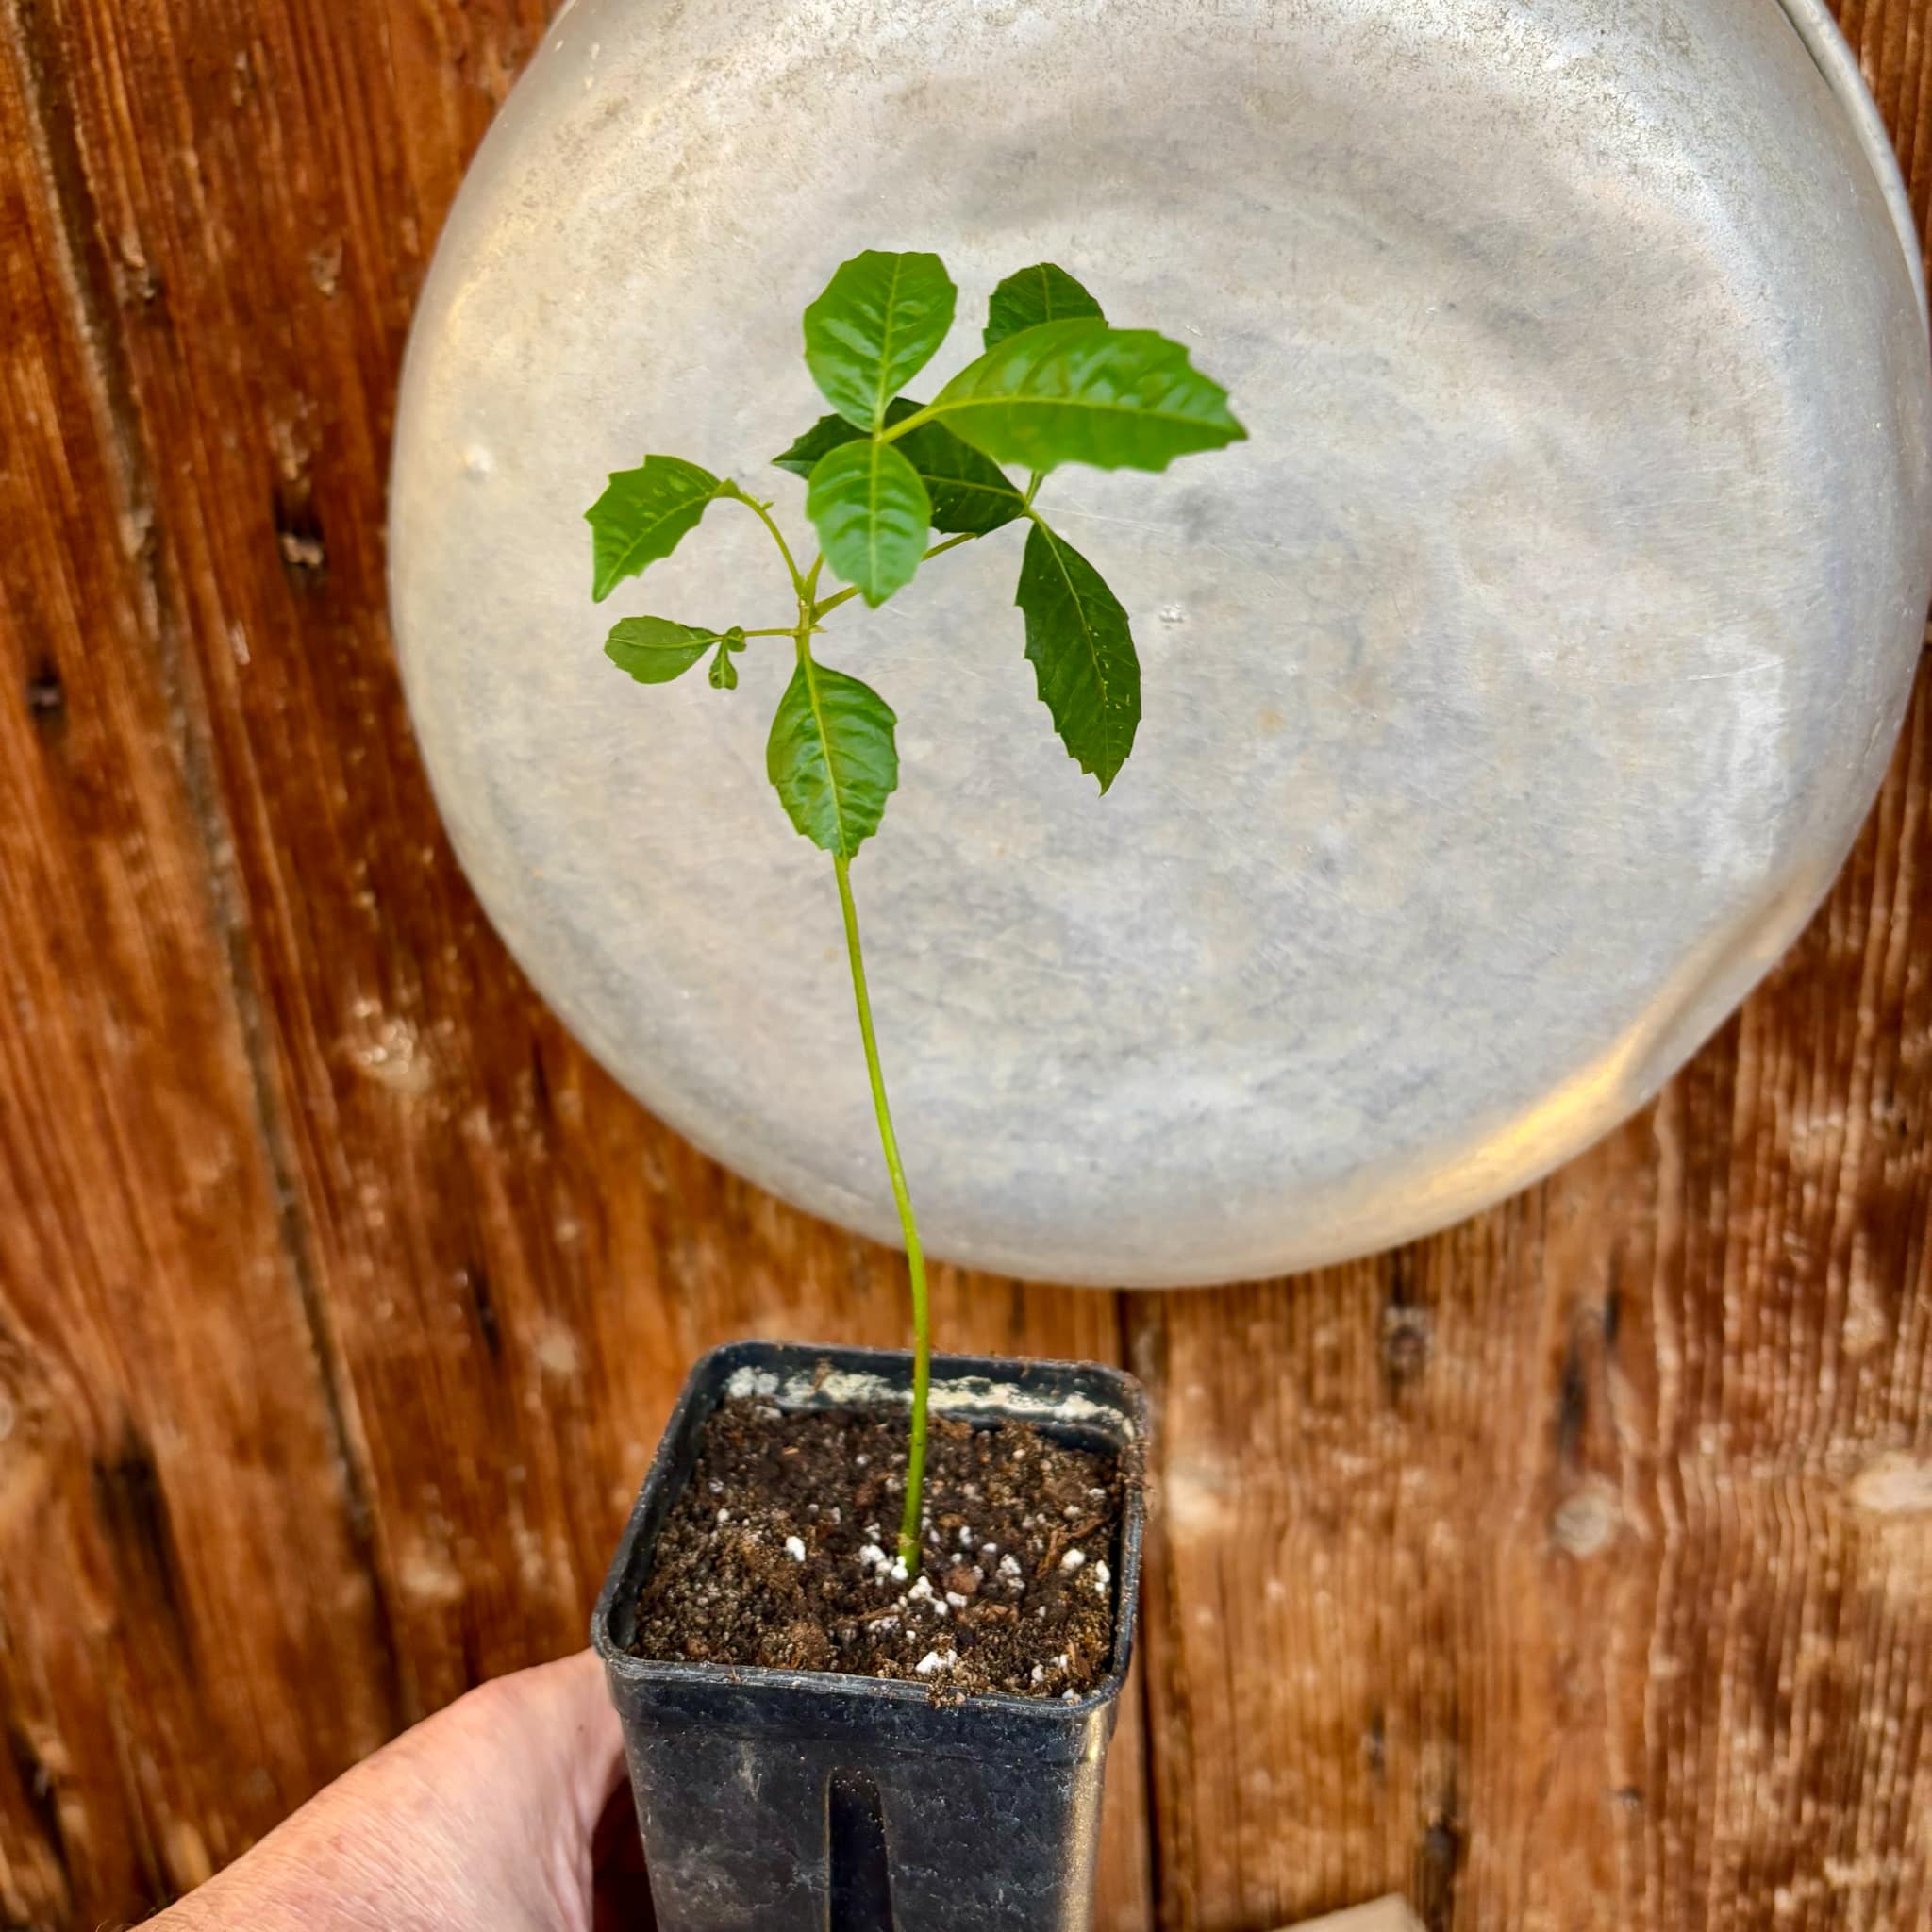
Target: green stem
pixel 839 597
pixel 915 1255
pixel 764 516
pixel 906 424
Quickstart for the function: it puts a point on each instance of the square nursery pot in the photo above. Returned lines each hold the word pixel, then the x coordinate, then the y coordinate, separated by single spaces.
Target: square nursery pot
pixel 803 1800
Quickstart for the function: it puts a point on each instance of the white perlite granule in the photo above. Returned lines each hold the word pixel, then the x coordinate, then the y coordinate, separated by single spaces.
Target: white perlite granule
pixel 1010 1567
pixel 794 1548
pixel 934 1660
pixel 1072 1559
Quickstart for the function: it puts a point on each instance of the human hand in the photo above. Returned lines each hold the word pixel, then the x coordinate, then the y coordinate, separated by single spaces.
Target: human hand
pixel 483 1819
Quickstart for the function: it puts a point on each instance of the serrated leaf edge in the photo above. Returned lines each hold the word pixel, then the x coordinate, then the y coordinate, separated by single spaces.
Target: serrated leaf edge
pixel 1087 636
pixel 721 486
pixel 940 409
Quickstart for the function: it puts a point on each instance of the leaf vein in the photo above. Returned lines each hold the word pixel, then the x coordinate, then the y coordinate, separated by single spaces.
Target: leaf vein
pixel 1110 724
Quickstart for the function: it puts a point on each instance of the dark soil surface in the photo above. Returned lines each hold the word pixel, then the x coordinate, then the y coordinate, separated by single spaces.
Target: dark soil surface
pixel 781 1553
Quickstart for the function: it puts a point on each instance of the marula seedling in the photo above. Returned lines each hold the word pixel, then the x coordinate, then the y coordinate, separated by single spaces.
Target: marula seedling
pixel 1055 384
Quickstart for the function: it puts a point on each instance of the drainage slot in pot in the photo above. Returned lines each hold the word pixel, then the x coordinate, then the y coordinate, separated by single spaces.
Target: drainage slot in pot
pixel 862 1890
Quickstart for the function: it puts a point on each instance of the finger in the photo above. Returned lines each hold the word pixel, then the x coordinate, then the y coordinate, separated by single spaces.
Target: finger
pixel 568 1705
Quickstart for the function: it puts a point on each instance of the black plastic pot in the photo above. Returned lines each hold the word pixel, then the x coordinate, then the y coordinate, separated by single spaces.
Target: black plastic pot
pixel 797 1801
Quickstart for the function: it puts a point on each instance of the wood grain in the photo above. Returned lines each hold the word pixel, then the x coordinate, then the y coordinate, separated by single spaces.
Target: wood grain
pixel 509 1266
pixel 1573 1569
pixel 176 1535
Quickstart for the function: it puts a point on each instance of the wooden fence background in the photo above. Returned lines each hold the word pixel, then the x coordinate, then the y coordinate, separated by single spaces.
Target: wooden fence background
pixel 1570 1569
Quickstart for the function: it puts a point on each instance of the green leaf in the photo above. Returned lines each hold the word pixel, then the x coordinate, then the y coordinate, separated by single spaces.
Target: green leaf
pixel 1036 294
pixel 1082 393
pixel 643 514
pixel 969 494
pixel 654 650
pixel 1082 653
pixel 871 511
pixel 724 672
pixel 875 327
pixel 832 758
pixel 829 433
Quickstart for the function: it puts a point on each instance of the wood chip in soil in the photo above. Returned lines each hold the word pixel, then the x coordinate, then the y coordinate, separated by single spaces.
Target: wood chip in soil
pixel 780 1554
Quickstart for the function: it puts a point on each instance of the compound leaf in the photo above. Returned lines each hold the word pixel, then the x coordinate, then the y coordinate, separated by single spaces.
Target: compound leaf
pixel 970 494
pixel 654 650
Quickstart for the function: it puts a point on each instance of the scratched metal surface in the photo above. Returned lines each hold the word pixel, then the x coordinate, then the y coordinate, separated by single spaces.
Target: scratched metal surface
pixel 1511 697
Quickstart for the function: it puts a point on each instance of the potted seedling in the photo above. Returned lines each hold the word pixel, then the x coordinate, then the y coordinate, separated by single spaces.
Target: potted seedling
pixel 869 1622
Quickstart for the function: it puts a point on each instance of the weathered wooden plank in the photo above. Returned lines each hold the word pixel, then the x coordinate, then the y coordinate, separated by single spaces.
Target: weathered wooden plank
pixel 1574 1568
pixel 1568 1568
pixel 175 1533
pixel 512 1266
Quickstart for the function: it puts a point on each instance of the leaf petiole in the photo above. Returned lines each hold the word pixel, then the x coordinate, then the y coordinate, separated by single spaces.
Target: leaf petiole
pixel 851 590
pixel 762 511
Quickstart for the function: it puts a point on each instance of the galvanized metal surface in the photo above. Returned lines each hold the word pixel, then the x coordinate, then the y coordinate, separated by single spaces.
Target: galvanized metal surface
pixel 1512 695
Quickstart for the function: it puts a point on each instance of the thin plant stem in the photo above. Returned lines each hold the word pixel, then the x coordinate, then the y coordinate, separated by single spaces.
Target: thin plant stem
pixel 915 1255
pixel 839 597
pixel 764 516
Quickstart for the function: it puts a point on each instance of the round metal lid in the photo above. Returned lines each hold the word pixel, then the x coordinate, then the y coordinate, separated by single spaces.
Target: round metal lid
pixel 1511 696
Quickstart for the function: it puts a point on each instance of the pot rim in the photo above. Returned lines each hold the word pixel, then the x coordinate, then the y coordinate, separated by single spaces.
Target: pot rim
pixel 1835 59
